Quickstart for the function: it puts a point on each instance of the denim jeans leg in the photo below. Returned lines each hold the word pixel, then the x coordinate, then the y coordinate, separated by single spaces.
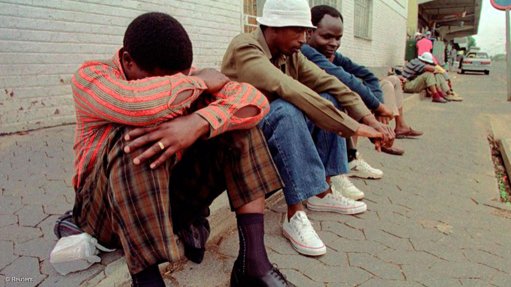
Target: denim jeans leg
pixel 331 147
pixel 293 149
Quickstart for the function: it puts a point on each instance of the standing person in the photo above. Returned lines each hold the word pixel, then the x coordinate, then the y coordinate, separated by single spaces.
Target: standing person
pixel 424 44
pixel 321 48
pixel 302 127
pixel 145 99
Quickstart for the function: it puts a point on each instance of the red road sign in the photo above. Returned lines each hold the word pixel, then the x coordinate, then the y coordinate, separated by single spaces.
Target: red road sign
pixel 501 4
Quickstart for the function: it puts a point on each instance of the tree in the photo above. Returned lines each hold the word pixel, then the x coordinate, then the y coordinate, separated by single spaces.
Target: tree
pixel 471 43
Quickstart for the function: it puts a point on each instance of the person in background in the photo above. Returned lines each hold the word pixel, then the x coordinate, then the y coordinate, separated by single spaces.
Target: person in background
pixel 421 74
pixel 424 44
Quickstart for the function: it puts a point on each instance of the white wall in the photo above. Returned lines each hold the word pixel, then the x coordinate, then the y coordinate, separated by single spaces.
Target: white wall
pixel 42 43
pixel 388 41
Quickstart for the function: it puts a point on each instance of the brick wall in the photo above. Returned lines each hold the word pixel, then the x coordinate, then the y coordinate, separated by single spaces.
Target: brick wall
pixel 42 43
pixel 387 44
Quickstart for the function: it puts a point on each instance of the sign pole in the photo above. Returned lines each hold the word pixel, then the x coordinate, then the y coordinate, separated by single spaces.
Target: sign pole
pixel 508 56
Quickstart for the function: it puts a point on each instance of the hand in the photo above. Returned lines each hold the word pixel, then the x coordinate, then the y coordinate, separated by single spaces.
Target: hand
pixel 384 114
pixel 387 131
pixel 369 132
pixel 214 79
pixel 174 136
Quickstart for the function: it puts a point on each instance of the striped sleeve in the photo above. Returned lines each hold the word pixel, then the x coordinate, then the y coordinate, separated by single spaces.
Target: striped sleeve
pixel 102 95
pixel 234 96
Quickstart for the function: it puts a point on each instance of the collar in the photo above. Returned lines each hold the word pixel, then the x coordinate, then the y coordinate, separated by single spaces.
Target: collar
pixel 281 60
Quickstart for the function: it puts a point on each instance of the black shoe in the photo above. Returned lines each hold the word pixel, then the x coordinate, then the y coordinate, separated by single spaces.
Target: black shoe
pixel 271 279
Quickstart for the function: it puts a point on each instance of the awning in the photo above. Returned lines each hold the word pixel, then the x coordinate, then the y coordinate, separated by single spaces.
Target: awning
pixel 450 18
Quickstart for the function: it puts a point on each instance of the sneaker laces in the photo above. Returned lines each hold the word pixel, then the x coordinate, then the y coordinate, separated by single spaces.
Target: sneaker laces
pixel 304 227
pixel 364 164
pixel 344 182
pixel 342 199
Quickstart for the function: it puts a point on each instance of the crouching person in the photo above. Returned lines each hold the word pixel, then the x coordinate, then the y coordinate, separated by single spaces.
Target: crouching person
pixel 155 144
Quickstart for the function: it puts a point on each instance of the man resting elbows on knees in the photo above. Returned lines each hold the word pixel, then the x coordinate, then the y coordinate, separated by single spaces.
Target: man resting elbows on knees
pixel 155 145
pixel 303 126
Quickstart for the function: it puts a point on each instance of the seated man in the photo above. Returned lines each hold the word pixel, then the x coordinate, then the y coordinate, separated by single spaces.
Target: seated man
pixel 323 43
pixel 421 74
pixel 302 127
pixel 184 122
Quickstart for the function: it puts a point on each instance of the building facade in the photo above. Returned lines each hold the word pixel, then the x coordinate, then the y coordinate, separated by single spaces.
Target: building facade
pixel 42 43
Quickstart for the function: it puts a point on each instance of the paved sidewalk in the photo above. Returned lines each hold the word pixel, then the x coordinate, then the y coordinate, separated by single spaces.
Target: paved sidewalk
pixel 433 220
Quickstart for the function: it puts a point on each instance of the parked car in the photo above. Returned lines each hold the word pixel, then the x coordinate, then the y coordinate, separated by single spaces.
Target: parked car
pixel 476 61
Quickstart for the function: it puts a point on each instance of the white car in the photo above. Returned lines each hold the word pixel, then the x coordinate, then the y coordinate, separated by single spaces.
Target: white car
pixel 476 62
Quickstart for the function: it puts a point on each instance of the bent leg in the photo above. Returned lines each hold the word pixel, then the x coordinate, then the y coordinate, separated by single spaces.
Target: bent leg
pixel 294 152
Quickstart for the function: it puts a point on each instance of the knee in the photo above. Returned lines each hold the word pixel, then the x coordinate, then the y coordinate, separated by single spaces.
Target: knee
pixel 283 116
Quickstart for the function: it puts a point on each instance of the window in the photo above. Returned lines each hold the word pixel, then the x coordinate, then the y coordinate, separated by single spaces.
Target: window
pixel 363 18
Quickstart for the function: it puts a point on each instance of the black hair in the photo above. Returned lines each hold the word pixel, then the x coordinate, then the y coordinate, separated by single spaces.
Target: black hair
pixel 158 40
pixel 318 12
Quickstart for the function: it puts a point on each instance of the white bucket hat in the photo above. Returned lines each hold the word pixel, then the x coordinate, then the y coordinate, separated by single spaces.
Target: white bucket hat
pixel 427 57
pixel 286 13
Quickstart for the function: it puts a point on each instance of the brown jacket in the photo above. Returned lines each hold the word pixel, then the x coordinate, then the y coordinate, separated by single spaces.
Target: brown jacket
pixel 294 79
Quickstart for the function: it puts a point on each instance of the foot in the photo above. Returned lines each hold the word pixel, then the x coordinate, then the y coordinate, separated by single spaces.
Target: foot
pixel 439 100
pixel 341 184
pixel 409 132
pixel 336 203
pixel 360 168
pixel 272 278
pixel 298 230
pixel 453 96
pixel 392 150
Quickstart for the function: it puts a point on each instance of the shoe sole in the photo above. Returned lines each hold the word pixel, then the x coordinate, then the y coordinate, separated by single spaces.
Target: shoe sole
pixel 359 175
pixel 349 211
pixel 303 249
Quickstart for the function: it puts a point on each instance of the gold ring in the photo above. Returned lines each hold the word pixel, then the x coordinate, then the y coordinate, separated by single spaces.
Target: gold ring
pixel 161 145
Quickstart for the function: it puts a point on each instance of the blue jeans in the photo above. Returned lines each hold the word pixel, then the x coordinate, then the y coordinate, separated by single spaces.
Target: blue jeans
pixel 303 153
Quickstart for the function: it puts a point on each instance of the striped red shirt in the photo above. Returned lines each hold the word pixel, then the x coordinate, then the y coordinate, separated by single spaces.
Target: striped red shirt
pixel 104 98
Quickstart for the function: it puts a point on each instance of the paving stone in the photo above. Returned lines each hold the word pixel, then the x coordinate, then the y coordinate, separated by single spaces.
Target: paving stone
pixel 19 234
pixel 7 251
pixel 341 230
pixel 9 204
pixel 30 215
pixel 24 271
pixel 375 266
pixel 38 247
pixel 8 219
pixel 54 279
pixel 297 278
pixel 377 282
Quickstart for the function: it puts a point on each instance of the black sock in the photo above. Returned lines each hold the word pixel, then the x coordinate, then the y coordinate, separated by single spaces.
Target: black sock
pixel 352 154
pixel 252 256
pixel 149 277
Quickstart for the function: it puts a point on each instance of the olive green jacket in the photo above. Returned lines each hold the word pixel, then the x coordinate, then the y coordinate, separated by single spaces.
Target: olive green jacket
pixel 295 79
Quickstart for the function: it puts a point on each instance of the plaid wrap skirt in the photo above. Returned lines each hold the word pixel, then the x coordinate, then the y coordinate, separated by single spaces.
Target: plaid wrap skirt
pixel 140 209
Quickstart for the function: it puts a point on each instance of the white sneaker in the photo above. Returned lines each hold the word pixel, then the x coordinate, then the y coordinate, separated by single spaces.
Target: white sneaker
pixel 341 184
pixel 336 203
pixel 360 168
pixel 302 236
